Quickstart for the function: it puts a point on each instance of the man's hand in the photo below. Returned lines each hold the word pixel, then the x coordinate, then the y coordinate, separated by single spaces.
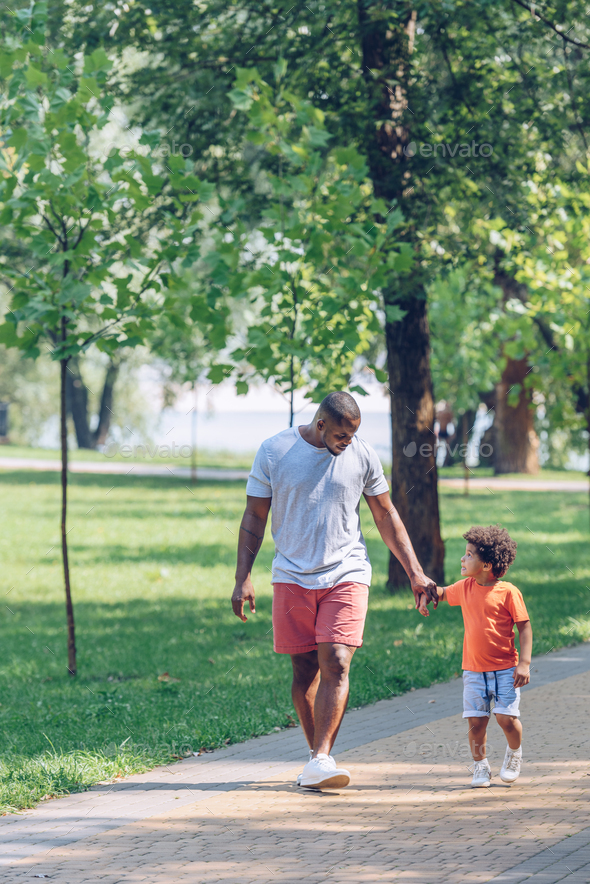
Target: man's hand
pixel 243 592
pixel 423 587
pixel 522 675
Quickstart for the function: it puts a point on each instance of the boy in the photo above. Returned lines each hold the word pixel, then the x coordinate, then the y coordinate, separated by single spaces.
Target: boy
pixel 491 606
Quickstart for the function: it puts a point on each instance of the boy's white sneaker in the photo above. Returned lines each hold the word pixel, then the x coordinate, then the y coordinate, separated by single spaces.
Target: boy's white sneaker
pixel 321 773
pixel 298 780
pixel 482 774
pixel 511 767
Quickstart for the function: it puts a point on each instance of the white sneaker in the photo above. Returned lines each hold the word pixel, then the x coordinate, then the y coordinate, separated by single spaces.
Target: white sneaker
pixel 298 780
pixel 511 767
pixel 482 774
pixel 321 773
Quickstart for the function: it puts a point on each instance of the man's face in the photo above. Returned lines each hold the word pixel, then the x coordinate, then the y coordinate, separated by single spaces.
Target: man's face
pixel 337 436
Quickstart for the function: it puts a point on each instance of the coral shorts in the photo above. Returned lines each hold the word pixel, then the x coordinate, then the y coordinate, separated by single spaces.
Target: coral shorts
pixel 302 618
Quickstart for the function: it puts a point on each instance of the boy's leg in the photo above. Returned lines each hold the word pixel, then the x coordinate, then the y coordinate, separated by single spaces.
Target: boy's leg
pixel 477 737
pixel 512 728
pixel 506 710
pixel 476 709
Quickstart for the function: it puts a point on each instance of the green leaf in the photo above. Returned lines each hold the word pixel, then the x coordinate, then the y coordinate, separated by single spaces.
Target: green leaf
pixel 98 61
pixel 280 68
pixel 404 260
pixel 317 137
pixel 88 88
pixel 18 138
pixel 393 313
pixel 244 76
pixel 240 99
pixel 7 59
pixel 241 388
pixel 381 375
pixel 395 218
pixel 218 373
pixel 8 335
pixel 35 77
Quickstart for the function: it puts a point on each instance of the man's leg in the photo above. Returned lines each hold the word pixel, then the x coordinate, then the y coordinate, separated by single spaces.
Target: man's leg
pixel 332 694
pixel 306 680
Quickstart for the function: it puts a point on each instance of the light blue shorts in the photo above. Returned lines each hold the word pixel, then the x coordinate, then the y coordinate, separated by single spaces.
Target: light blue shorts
pixel 480 688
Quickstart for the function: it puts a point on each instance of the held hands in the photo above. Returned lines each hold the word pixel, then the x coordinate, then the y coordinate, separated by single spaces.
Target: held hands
pixel 243 592
pixel 522 674
pixel 425 591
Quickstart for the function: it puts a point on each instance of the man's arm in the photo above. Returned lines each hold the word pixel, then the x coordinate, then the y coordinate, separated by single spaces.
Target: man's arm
pixel 522 672
pixel 249 542
pixel 392 530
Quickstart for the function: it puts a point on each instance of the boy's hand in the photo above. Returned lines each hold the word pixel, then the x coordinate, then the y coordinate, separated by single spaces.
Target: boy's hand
pixel 522 675
pixel 422 605
pixel 423 588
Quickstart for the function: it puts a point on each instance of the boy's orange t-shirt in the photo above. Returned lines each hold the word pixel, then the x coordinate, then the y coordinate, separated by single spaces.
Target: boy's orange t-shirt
pixel 489 615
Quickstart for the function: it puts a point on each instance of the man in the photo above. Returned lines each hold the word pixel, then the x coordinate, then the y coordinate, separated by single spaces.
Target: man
pixel 314 475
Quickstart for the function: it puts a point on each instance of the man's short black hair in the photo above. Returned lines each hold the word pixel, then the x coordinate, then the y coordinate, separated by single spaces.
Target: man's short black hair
pixel 339 406
pixel 494 546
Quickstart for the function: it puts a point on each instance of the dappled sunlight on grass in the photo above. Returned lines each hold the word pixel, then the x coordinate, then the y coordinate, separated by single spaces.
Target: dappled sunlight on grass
pixel 152 573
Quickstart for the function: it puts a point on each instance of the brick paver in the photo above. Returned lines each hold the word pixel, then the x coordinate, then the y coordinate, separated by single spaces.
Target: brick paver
pixel 409 816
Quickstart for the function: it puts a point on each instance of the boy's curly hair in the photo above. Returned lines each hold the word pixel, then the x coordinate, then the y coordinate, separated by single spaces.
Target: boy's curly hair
pixel 494 547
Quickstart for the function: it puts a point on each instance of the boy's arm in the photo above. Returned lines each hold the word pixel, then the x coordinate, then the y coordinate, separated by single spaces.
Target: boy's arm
pixel 522 672
pixel 442 597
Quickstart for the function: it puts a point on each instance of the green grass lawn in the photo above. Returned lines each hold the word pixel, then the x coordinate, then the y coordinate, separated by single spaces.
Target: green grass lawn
pixel 152 572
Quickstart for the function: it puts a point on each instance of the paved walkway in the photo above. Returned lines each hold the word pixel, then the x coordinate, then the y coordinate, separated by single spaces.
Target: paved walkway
pixel 144 469
pixel 409 816
pixel 118 467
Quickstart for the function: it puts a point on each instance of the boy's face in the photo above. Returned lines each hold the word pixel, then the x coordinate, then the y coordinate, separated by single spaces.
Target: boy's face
pixel 472 565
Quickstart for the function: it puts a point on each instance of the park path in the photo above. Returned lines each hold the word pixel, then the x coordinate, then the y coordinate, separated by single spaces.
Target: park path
pixel 144 469
pixel 409 815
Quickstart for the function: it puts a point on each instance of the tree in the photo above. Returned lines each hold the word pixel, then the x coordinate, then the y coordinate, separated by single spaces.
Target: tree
pixel 474 76
pixel 320 64
pixel 106 235
pixel 314 265
pixel 535 73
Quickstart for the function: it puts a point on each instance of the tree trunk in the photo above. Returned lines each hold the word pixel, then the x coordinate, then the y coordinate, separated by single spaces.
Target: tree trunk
pixel 64 511
pixel 413 472
pixel 77 402
pixel 105 411
pixel 515 442
pixel 516 445
pixel 387 36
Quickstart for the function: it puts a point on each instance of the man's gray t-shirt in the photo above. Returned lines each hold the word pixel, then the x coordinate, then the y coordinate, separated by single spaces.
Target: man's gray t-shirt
pixel 315 508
